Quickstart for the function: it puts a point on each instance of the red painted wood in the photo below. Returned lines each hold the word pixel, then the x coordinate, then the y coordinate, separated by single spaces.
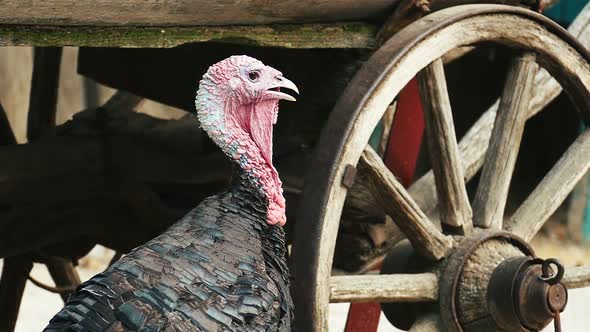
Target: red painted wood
pixel 363 317
pixel 401 157
pixel 406 134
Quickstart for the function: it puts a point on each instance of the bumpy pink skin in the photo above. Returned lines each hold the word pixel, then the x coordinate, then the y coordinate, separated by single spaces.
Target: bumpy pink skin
pixel 239 117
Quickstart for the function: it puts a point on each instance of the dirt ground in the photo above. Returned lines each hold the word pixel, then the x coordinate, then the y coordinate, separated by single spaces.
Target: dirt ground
pixel 39 306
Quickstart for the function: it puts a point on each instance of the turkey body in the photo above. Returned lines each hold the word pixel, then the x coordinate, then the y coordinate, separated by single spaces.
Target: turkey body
pixel 220 268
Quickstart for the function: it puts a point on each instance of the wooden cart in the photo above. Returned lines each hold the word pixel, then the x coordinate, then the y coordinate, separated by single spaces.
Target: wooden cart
pixel 467 264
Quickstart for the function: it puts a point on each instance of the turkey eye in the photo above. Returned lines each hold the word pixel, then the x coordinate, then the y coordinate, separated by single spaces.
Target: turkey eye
pixel 253 76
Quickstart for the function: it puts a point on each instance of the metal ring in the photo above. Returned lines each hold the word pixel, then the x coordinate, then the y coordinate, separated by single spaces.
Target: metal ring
pixel 547 276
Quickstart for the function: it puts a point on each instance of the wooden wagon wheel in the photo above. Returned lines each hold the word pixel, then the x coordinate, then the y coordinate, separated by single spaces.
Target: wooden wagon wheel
pixel 457 268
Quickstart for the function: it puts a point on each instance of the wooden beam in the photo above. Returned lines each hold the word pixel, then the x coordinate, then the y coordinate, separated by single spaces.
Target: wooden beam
pixel 336 35
pixel 454 206
pixel 500 159
pixel 64 274
pixel 398 204
pixel 139 153
pixel 384 288
pixel 577 277
pixel 123 100
pixel 187 12
pixel 15 272
pixel 44 89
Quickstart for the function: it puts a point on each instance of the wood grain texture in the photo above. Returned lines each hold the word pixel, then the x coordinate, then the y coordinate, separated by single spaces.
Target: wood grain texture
pixel 365 102
pixel 333 35
pixel 396 202
pixel 577 277
pixel 474 144
pixel 384 288
pixel 472 287
pixel 454 207
pixel 552 190
pixel 472 148
pixel 186 12
pixel 492 192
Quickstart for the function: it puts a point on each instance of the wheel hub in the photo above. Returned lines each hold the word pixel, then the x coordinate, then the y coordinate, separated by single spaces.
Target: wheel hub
pixel 492 280
pixel 520 298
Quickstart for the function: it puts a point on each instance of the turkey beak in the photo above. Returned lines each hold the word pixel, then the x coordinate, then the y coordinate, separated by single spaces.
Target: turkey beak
pixel 281 82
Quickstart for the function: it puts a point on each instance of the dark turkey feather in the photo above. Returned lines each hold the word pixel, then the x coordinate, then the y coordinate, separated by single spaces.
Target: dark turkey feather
pixel 220 268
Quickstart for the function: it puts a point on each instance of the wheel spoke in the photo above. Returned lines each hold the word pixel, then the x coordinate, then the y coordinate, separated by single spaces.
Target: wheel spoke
pixel 421 287
pixel 444 152
pixel 474 144
pixel 387 122
pixel 500 158
pixel 577 277
pixel 428 323
pixel 552 190
pixel 396 202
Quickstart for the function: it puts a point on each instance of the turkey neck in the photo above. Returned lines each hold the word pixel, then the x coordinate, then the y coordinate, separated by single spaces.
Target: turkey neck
pixel 246 195
pixel 242 221
pixel 244 134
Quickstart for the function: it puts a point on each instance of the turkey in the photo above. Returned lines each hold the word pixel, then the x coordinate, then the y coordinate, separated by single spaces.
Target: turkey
pixel 223 266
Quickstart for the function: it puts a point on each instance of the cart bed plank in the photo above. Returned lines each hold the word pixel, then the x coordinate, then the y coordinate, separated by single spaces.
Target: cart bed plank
pixel 336 35
pixel 187 12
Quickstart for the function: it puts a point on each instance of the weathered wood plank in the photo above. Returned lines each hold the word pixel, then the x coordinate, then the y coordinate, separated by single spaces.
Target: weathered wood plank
pixel 187 12
pixel 454 207
pixel 336 35
pixel 398 204
pixel 44 88
pixel 492 192
pixel 384 288
pixel 577 277
pixel 552 190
